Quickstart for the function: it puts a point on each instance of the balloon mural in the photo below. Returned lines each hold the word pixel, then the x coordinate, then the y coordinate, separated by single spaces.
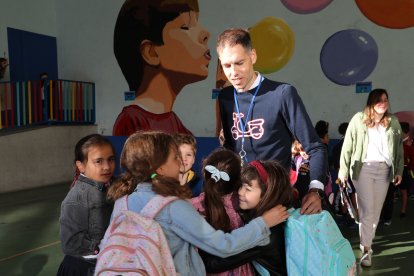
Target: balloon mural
pixel 274 42
pixel 397 14
pixel 349 56
pixel 406 116
pixel 305 6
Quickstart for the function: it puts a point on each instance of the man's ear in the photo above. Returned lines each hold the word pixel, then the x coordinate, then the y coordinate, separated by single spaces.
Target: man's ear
pixel 253 56
pixel 80 166
pixel 149 53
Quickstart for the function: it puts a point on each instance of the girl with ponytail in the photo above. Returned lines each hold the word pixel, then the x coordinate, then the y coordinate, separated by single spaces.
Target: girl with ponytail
pixel 219 201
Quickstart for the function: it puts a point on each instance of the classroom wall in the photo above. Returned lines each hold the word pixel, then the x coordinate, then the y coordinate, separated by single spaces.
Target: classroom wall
pixel 39 157
pixel 84 31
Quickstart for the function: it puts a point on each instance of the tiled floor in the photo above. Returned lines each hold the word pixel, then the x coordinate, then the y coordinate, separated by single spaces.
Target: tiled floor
pixel 29 242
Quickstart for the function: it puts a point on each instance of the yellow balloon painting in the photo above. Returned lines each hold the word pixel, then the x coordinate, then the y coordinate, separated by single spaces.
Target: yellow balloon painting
pixel 274 42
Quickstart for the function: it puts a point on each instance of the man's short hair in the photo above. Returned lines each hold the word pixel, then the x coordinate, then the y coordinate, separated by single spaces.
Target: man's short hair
pixel 232 37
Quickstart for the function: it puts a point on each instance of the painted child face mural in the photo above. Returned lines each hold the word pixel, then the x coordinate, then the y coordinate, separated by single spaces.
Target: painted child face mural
pixel 145 27
pixel 185 48
pixel 160 47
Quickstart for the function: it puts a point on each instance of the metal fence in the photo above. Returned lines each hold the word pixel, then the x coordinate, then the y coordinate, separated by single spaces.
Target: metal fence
pixel 37 102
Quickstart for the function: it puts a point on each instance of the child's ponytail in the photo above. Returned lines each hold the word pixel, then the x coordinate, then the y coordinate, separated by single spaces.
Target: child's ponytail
pixel 124 186
pixel 221 170
pixel 214 208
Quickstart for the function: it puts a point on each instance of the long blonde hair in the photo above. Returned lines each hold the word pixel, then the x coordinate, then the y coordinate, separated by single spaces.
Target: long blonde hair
pixel 374 97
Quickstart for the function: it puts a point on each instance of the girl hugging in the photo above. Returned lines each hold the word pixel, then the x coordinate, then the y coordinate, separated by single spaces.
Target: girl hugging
pixel 265 184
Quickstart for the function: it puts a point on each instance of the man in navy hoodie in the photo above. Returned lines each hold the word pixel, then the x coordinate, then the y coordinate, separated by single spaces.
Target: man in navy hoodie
pixel 261 117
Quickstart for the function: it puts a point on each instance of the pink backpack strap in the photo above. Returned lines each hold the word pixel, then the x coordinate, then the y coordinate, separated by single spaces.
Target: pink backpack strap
pixel 120 205
pixel 155 205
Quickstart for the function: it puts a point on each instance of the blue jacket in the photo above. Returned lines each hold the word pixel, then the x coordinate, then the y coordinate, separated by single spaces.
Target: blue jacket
pixel 186 230
pixel 278 117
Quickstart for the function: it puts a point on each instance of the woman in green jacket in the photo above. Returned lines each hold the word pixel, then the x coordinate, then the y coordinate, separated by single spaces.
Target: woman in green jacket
pixel 372 155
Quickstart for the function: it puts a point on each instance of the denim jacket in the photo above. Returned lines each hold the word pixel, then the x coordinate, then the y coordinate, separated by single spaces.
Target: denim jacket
pixel 84 217
pixel 186 230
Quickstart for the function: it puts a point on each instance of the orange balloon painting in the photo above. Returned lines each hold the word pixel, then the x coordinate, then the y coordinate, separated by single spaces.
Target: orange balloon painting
pixel 395 14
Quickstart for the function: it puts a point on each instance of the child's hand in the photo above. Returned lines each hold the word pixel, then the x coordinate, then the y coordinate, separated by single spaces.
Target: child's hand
pixel 275 215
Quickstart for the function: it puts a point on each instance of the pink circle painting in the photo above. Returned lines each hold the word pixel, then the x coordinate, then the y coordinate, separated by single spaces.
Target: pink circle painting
pixel 305 6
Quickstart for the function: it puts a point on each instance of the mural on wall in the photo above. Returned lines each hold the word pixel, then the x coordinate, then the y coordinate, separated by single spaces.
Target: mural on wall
pixel 349 56
pixel 274 42
pixel 221 82
pixel 305 6
pixel 390 14
pixel 160 48
pixel 406 116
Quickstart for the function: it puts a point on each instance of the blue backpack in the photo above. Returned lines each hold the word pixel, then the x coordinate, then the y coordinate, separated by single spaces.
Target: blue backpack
pixel 315 246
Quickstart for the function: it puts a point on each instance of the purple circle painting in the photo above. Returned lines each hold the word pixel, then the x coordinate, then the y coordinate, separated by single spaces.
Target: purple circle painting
pixel 305 6
pixel 349 56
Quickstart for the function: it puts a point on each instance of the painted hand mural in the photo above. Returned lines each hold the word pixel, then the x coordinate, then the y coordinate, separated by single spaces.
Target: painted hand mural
pixel 160 47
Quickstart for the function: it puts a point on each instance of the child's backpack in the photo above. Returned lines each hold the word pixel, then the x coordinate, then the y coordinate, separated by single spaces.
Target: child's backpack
pixel 135 244
pixel 315 246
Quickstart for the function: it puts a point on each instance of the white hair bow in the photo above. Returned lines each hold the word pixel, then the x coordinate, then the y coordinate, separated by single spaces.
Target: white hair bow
pixel 216 174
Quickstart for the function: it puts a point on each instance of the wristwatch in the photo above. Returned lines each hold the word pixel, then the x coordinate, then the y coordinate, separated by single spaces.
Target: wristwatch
pixel 317 191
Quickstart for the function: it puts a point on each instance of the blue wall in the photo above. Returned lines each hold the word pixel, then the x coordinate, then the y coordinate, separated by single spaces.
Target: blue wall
pixel 31 54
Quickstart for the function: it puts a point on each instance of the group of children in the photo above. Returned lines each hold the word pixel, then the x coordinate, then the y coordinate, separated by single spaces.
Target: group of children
pixel 229 225
pixel 234 227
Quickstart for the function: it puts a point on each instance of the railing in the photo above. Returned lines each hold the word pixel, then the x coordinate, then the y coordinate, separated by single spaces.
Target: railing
pixel 28 103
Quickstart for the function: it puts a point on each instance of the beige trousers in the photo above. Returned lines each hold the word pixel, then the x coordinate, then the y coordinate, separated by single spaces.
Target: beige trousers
pixel 371 188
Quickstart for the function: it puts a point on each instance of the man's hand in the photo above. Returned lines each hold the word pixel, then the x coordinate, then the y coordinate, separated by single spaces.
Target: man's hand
pixel 311 203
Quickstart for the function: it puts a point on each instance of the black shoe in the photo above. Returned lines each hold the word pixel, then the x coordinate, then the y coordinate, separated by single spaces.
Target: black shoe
pixel 403 215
